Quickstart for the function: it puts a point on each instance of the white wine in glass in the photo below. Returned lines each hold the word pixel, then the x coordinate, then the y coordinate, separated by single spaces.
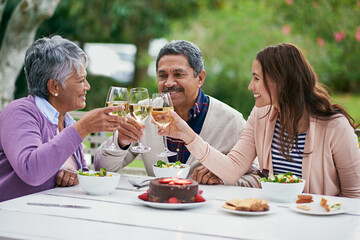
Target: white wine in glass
pixel 161 104
pixel 139 109
pixel 117 96
pixel 121 113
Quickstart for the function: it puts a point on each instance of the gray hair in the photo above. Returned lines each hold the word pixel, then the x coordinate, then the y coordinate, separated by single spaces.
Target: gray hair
pixel 188 49
pixel 51 58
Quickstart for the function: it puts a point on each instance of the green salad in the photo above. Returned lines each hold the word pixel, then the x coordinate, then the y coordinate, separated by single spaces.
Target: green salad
pixel 288 177
pixel 101 173
pixel 162 164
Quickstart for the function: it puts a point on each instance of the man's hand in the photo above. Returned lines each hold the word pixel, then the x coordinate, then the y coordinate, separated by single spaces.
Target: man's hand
pixel 66 179
pixel 130 131
pixel 203 176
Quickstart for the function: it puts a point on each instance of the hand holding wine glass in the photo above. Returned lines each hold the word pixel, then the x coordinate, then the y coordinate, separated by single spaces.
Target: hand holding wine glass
pixel 161 104
pixel 117 96
pixel 139 108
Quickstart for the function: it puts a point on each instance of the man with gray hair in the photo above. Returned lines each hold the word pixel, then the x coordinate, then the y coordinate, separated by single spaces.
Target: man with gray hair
pixel 180 72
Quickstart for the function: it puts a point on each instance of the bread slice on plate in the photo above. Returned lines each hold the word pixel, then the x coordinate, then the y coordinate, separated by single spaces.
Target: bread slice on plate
pixel 330 204
pixel 304 199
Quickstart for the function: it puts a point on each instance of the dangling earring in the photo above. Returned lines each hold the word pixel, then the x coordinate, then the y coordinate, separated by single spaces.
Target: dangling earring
pixel 55 94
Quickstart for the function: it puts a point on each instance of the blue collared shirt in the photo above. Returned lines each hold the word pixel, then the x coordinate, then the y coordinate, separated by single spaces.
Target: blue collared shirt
pixel 196 120
pixel 53 116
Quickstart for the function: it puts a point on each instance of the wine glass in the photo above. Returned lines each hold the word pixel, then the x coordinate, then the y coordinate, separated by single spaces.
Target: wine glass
pixel 139 108
pixel 161 105
pixel 117 96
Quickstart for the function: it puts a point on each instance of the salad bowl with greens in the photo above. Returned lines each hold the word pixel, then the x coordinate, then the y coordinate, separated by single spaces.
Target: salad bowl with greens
pixel 282 187
pixel 177 169
pixel 98 183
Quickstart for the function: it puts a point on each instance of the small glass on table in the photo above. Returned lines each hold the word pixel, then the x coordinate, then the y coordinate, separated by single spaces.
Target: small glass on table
pixel 161 104
pixel 117 96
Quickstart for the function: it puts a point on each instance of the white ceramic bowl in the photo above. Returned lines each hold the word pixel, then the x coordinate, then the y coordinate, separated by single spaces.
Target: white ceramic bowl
pixel 172 172
pixel 283 192
pixel 99 185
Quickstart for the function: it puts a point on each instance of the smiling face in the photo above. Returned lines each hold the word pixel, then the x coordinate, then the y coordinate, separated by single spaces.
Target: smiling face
pixel 257 86
pixel 72 97
pixel 175 76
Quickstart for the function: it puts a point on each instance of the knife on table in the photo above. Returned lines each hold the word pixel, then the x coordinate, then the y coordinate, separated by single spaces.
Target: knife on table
pixel 57 205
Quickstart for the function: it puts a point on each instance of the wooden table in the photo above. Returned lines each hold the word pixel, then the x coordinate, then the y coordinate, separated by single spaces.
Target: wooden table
pixel 121 215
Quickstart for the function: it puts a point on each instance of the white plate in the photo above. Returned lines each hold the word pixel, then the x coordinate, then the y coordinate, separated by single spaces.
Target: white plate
pixel 173 205
pixel 272 209
pixel 316 209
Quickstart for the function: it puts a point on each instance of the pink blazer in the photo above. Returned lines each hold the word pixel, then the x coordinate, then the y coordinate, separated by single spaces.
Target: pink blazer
pixel 332 166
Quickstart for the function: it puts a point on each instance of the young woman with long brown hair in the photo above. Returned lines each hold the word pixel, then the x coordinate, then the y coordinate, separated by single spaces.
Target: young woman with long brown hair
pixel 294 126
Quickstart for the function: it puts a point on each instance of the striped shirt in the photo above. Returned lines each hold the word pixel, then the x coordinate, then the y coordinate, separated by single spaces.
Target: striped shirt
pixel 280 164
pixel 196 120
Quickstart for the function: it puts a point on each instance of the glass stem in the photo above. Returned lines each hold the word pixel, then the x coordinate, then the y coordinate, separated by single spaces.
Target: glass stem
pixel 113 139
pixel 140 144
pixel 165 143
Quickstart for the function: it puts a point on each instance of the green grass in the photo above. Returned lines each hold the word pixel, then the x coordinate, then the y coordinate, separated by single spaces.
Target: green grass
pixel 350 102
pixel 137 163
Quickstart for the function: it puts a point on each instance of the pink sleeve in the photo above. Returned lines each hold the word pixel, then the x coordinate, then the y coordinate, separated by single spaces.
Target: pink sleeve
pixel 236 163
pixel 346 155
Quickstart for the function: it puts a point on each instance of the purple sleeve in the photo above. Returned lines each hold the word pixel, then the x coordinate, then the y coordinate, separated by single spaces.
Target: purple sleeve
pixel 31 147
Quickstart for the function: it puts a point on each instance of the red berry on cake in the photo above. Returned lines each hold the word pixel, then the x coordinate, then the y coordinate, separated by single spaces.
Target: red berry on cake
pixel 200 191
pixel 199 198
pixel 183 181
pixel 144 196
pixel 166 180
pixel 173 200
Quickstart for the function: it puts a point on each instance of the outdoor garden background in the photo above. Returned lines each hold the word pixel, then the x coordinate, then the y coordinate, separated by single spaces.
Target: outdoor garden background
pixel 229 33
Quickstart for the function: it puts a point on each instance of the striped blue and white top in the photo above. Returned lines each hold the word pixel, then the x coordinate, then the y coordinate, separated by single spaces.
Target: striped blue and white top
pixel 280 164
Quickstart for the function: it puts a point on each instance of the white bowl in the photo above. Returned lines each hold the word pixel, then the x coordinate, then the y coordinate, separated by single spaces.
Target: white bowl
pixel 283 192
pixel 99 185
pixel 172 172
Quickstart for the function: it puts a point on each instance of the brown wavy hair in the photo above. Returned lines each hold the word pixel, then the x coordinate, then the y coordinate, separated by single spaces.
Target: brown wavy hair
pixel 299 91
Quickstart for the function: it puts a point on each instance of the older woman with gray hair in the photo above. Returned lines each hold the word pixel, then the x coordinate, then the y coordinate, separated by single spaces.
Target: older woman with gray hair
pixel 40 144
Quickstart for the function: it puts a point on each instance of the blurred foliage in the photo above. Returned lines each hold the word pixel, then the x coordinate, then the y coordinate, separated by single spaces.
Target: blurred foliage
pixel 230 45
pixel 229 32
pixel 337 24
pixel 135 21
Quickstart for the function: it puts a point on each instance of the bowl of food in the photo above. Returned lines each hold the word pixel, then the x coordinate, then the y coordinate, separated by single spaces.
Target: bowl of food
pixel 282 187
pixel 98 183
pixel 177 169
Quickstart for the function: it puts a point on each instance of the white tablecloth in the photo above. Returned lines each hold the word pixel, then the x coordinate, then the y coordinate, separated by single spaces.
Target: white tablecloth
pixel 121 215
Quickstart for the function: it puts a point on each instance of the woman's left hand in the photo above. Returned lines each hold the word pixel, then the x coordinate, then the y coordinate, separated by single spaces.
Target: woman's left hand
pixel 204 176
pixel 66 179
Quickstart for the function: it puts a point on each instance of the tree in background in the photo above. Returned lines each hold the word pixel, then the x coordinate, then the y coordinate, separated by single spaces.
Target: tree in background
pixel 19 35
pixel 230 39
pixel 122 21
pixel 229 33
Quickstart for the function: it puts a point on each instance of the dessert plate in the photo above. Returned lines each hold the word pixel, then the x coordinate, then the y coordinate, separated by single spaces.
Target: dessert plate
pixel 316 209
pixel 173 205
pixel 272 209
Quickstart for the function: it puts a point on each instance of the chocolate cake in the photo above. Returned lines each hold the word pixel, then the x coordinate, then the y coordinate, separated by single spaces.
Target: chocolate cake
pixel 163 189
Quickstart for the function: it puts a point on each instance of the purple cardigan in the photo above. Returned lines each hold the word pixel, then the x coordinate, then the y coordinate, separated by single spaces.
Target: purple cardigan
pixel 31 154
